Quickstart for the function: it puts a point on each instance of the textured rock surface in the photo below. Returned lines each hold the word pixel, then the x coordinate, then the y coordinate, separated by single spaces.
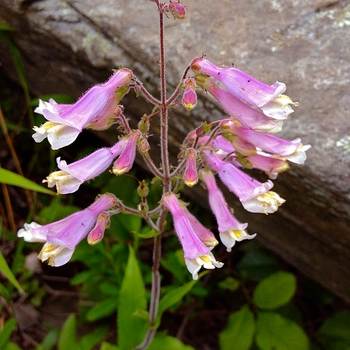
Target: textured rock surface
pixel 69 45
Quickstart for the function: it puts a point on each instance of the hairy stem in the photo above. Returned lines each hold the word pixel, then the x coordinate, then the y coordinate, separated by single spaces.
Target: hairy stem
pixel 155 291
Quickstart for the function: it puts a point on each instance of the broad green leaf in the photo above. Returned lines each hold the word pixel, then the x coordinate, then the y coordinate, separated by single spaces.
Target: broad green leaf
pixel 12 346
pixel 49 341
pixel 102 309
pixel 132 223
pixel 257 264
pixel 108 346
pixel 81 277
pixel 88 341
pixel 6 331
pixel 6 271
pixel 9 178
pixel 56 211
pixel 238 331
pixel 163 342
pixel 174 296
pixel 275 290
pixel 109 289
pixel 336 328
pixel 175 264
pixel 276 332
pixel 132 297
pixel 67 338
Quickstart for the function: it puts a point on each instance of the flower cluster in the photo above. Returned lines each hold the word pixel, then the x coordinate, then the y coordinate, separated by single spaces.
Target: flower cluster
pixel 244 139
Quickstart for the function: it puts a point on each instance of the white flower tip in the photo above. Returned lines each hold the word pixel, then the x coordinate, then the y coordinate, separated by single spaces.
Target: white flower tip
pixel 266 203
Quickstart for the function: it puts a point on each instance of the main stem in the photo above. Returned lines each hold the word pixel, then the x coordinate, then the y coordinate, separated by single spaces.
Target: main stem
pixel 155 290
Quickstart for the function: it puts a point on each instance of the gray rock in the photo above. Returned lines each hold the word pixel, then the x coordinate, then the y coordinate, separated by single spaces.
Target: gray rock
pixel 68 46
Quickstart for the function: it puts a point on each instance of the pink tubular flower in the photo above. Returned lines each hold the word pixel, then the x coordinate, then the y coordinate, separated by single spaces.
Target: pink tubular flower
pixel 190 176
pixel 124 163
pixel 266 142
pixel 189 97
pixel 271 165
pixel 71 176
pixel 195 239
pixel 95 107
pixel 61 237
pixel 240 84
pixel 243 186
pixel 229 228
pixel 239 110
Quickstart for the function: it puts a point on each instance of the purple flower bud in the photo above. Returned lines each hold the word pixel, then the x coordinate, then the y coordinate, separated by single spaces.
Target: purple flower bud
pixel 96 234
pixel 124 163
pixel 177 10
pixel 190 175
pixel 61 237
pixel 189 97
pixel 95 107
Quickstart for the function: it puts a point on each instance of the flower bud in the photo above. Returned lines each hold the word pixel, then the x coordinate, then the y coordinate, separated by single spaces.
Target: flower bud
pixel 143 145
pixel 143 124
pixel 96 234
pixel 124 163
pixel 143 189
pixel 177 10
pixel 190 174
pixel 189 98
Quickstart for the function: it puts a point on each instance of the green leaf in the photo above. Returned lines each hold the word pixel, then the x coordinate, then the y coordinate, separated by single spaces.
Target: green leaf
pixel 81 277
pixel 4 292
pixel 275 290
pixel 257 264
pixel 56 211
pixel 238 331
pixel 161 342
pixel 230 284
pixel 174 296
pixel 49 341
pixel 12 346
pixel 131 329
pixel 67 338
pixel 335 329
pixel 9 178
pixel 108 346
pixel 6 271
pixel 102 309
pixel 88 341
pixel 276 332
pixel 6 332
